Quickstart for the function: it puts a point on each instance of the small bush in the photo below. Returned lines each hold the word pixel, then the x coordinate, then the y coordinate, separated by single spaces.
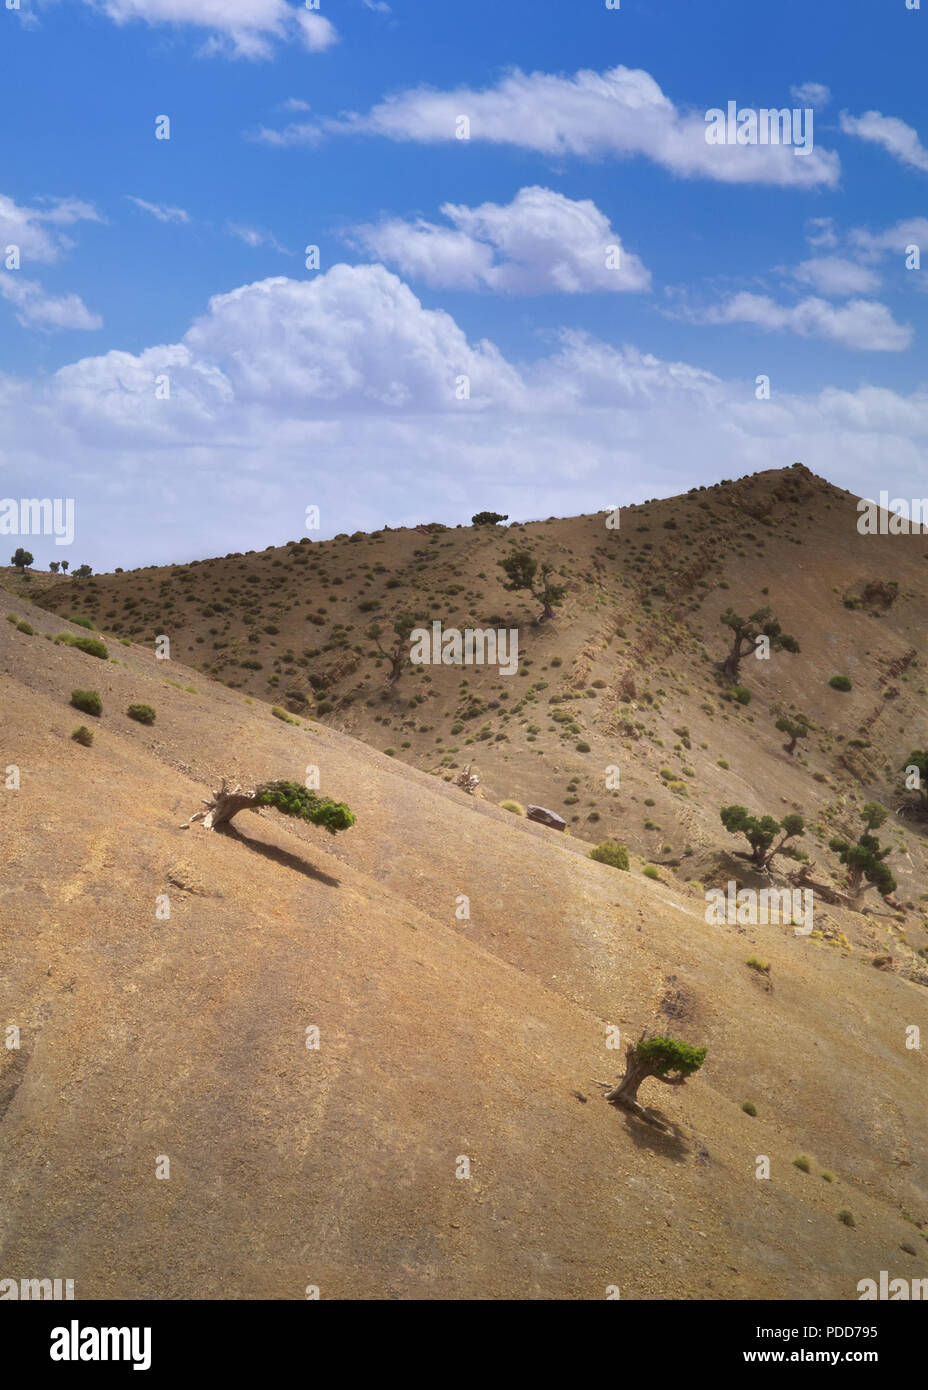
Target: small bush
pixel 142 714
pixel 761 966
pixel 840 683
pixel 83 735
pixel 827 1177
pixel 650 871
pixel 27 628
pixel 279 713
pixel 616 856
pixel 92 646
pixel 803 1164
pixel 87 701
pixel 81 622
pixel 582 747
pixel 512 806
pixel 749 1107
pixel 846 1217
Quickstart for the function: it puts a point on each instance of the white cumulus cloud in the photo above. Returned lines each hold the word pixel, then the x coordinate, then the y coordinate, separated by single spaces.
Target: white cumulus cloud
pixel 836 275
pixel 619 112
pixel 860 323
pixel 897 138
pixel 540 243
pixel 245 28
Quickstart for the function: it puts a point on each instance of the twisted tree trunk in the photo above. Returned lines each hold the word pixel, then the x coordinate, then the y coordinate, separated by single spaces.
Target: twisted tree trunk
pixel 226 802
pixel 625 1094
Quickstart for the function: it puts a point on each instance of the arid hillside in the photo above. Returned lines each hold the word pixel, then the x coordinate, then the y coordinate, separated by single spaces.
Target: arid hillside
pixel 620 685
pixel 453 1040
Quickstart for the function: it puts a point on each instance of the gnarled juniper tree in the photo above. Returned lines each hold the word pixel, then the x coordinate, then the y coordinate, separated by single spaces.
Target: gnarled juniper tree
pixel 666 1059
pixel 761 831
pixel 290 798
pixel 864 860
pixel 521 568
pixel 796 729
pixel 398 652
pixel 745 632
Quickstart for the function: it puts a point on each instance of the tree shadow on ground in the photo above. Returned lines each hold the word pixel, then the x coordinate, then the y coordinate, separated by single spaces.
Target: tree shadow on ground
pixel 280 856
pixel 670 1143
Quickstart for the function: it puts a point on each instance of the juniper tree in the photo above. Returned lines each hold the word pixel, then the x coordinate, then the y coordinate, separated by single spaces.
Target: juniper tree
pixel 54 566
pixel 761 831
pixel 666 1059
pixel 22 558
pixel 488 519
pixel 795 728
pixel 864 859
pixel 83 572
pixel 290 798
pixel 521 568
pixel 398 653
pixel 745 632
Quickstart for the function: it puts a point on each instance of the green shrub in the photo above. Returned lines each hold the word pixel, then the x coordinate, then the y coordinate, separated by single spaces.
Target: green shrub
pixel 279 713
pixel 761 966
pixel 83 735
pixel 582 747
pixel 27 628
pixel 87 701
pixel 143 714
pixel 294 800
pixel 749 1107
pixel 840 683
pixel 81 622
pixel 846 1218
pixel 92 645
pixel 802 1163
pixel 616 856
pixel 513 806
pixel 827 1177
pixel 650 871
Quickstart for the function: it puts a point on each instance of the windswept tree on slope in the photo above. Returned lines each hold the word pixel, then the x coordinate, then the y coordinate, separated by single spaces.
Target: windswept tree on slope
pixel 796 729
pixel 745 632
pixel 666 1059
pixel 398 651
pixel 761 831
pixel 864 860
pixel 290 798
pixel 521 568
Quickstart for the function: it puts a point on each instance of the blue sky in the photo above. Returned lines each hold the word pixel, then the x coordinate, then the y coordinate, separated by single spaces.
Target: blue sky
pixel 183 259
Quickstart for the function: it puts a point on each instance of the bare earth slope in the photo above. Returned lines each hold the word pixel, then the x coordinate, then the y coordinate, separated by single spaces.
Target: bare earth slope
pixel 441 1037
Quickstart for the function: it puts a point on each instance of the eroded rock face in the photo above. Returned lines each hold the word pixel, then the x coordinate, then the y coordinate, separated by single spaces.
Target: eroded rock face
pixel 546 817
